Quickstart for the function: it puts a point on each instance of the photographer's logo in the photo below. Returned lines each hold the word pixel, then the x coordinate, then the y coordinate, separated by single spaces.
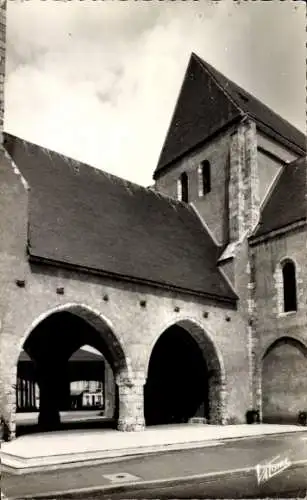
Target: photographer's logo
pixel 266 471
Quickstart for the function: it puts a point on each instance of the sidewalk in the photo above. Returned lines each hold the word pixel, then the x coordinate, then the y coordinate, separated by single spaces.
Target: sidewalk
pixel 57 450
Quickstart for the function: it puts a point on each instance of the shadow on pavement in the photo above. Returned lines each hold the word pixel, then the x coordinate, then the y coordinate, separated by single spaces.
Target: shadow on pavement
pixel 76 425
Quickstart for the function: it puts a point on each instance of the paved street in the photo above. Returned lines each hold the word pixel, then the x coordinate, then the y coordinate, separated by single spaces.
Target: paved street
pixel 178 474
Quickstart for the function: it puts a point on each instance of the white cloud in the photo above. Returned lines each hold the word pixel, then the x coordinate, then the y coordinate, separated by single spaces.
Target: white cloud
pixel 98 81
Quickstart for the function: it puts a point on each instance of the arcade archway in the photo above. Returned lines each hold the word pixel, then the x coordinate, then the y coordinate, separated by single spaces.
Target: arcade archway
pixel 49 347
pixel 184 379
pixel 284 381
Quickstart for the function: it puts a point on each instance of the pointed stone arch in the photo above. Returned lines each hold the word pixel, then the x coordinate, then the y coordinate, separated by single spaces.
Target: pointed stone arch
pixel 100 323
pixel 102 336
pixel 282 379
pixel 210 356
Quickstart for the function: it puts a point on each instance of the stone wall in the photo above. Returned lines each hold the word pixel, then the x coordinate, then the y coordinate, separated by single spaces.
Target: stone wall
pixel 244 164
pixel 232 206
pixel 284 382
pixel 272 324
pixel 213 206
pixel 269 169
pixel 136 315
pixel 271 157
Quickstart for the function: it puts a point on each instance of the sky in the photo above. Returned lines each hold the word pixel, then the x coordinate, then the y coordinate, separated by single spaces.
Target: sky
pixel 98 80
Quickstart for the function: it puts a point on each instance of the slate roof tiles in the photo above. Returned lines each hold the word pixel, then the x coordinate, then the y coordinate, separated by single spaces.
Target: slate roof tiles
pixel 82 216
pixel 209 101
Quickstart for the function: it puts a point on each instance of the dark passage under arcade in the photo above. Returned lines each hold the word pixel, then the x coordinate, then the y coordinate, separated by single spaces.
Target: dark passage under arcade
pixel 177 382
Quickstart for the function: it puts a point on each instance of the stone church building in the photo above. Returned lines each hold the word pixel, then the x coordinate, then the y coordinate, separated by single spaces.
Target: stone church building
pixel 194 290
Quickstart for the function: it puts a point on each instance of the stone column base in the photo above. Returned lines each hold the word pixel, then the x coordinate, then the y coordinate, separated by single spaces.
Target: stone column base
pixel 130 425
pixel 131 405
pixel 8 416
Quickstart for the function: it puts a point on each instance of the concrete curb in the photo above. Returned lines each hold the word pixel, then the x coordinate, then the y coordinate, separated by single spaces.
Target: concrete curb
pixel 75 494
pixel 17 465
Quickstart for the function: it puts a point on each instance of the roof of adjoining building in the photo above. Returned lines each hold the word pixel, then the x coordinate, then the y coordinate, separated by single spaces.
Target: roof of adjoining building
pixel 209 101
pixel 82 216
pixel 81 355
pixel 286 203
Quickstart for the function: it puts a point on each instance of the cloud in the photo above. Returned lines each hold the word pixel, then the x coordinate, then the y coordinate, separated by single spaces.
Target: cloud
pixel 98 81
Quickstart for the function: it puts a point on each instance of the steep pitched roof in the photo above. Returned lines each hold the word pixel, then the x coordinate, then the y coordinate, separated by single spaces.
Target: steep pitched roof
pixel 201 110
pixel 208 101
pixel 287 203
pixel 84 217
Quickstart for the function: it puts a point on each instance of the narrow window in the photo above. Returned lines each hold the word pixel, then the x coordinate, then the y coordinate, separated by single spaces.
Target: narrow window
pixel 289 286
pixel 204 178
pixel 183 188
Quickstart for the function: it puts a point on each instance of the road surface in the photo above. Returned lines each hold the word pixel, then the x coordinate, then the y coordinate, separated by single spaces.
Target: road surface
pixel 227 470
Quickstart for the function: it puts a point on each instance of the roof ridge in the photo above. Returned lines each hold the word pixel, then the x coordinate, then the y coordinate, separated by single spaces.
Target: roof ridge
pixel 269 109
pixel 121 180
pixel 174 110
pixel 175 145
pixel 207 67
pixel 271 128
pixel 26 142
pixel 211 70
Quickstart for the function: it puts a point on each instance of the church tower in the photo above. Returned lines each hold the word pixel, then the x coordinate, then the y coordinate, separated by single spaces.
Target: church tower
pixel 222 153
pixel 209 158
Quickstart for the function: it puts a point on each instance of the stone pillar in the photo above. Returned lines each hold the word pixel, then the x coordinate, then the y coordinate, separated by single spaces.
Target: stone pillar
pixel 34 395
pixel 236 185
pixel 217 392
pixel 8 413
pixel 29 394
pixel 34 398
pixel 49 411
pixel 22 393
pixel 54 385
pixel 257 384
pixel 251 327
pixel 244 204
pixel 26 393
pixel 8 381
pixel 251 177
pixel 17 395
pixel 109 391
pixel 131 404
